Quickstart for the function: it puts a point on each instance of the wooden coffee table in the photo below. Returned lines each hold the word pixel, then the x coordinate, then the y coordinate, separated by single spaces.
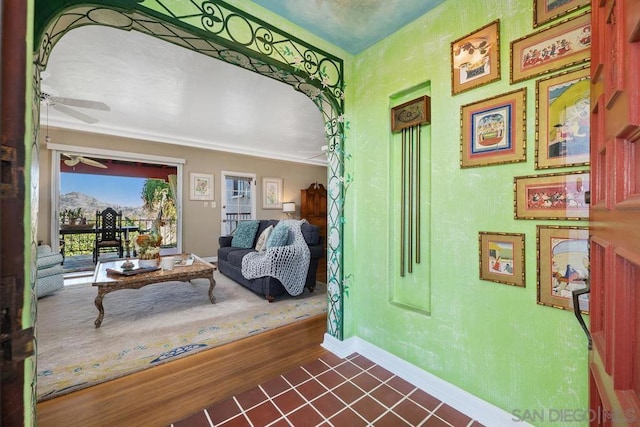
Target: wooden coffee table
pixel 110 282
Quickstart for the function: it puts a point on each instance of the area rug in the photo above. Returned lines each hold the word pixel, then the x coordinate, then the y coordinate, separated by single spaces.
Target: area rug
pixel 143 328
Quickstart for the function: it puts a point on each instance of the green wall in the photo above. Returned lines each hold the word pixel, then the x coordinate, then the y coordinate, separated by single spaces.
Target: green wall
pixel 490 339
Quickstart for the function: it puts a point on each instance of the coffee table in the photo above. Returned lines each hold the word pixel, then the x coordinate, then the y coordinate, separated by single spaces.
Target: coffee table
pixel 107 281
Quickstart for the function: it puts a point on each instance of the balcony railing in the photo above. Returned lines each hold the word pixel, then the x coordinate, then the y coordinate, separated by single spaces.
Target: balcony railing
pixel 83 242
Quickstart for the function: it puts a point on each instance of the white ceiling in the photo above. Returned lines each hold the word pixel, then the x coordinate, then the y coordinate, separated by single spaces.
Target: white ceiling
pixel 161 92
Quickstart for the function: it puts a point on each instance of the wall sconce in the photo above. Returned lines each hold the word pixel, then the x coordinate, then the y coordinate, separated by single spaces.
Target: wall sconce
pixel 289 208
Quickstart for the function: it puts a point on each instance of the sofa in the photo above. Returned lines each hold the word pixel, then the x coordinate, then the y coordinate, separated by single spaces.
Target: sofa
pixel 230 259
pixel 49 271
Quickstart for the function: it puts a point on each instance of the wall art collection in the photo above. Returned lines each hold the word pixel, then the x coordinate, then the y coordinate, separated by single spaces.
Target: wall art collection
pixel 493 132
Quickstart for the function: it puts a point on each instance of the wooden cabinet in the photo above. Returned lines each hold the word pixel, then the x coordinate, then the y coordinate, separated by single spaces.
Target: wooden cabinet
pixel 313 208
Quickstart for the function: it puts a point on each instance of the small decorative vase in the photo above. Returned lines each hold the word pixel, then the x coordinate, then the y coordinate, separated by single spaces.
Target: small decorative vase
pixel 146 263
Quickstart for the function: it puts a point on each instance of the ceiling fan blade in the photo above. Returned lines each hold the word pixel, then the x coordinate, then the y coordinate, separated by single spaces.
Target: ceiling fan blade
pixel 91 162
pixel 77 114
pixel 81 103
pixel 71 162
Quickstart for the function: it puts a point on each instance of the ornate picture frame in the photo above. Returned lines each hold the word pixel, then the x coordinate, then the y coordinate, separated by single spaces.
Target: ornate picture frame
pixel 502 258
pixel 201 187
pixel 562 45
pixel 271 193
pixel 549 10
pixel 411 113
pixel 493 131
pixel 563 265
pixel 475 58
pixel 562 119
pixel 552 196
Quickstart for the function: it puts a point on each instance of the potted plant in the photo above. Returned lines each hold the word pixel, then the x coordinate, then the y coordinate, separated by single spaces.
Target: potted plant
pixel 72 217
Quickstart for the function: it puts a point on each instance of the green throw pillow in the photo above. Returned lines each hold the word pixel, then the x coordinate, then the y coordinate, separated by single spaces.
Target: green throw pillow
pixel 279 236
pixel 245 234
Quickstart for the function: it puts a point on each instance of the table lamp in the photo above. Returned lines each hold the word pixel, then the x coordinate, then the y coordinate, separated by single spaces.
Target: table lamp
pixel 289 208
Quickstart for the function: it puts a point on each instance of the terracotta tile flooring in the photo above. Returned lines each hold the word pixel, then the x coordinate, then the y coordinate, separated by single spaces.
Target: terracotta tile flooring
pixel 331 391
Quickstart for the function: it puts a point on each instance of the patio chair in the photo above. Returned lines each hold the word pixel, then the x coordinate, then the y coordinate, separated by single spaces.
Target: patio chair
pixel 108 233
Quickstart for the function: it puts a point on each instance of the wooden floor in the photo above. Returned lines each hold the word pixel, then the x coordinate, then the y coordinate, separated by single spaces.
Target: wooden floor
pixel 160 395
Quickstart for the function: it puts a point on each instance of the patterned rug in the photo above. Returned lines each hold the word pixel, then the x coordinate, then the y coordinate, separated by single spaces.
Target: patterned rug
pixel 143 328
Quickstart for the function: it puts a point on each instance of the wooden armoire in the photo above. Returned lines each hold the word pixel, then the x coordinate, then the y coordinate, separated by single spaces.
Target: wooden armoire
pixel 313 208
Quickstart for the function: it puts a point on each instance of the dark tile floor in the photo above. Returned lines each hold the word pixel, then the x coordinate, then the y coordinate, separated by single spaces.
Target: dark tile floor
pixel 331 391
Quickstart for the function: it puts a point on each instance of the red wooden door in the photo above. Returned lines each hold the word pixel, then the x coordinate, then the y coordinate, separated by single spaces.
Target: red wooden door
pixel 614 362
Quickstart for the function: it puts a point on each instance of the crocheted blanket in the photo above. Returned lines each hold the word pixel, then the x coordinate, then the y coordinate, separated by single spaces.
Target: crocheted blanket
pixel 289 264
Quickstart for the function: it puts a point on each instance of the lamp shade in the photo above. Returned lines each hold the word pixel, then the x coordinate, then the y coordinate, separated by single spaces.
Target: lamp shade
pixel 288 207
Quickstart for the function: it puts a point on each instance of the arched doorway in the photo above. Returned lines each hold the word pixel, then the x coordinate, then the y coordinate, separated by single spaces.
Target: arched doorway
pixel 221 31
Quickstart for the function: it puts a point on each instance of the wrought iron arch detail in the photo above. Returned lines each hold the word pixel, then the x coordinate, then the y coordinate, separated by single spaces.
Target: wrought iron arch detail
pixel 223 32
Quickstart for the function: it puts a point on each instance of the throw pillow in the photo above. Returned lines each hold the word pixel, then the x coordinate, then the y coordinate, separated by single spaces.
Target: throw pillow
pixel 261 244
pixel 279 236
pixel 244 234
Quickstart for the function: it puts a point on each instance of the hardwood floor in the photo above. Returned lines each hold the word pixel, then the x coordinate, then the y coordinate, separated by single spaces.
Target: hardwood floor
pixel 171 391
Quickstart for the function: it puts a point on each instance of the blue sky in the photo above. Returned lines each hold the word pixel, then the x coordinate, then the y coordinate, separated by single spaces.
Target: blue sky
pixel 116 190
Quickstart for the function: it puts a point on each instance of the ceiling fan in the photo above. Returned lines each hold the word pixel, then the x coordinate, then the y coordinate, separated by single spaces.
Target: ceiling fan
pixel 72 160
pixel 62 104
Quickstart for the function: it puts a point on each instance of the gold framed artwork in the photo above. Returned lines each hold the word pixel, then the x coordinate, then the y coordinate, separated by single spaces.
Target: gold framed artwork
pixel 552 196
pixel 562 119
pixel 272 193
pixel 548 10
pixel 493 131
pixel 201 186
pixel 502 258
pixel 411 113
pixel 551 49
pixel 475 58
pixel 563 264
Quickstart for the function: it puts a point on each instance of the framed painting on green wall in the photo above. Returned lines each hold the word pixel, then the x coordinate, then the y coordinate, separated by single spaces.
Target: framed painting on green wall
pixel 502 258
pixel 562 120
pixel 552 196
pixel 493 131
pixel 547 10
pixel 475 58
pixel 562 45
pixel 563 265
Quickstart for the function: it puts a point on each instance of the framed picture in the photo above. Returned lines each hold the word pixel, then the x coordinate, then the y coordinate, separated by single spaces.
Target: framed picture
pixel 493 131
pixel 554 48
pixel 502 258
pixel 475 58
pixel 201 186
pixel 563 265
pixel 562 121
pixel 552 196
pixel 271 193
pixel 547 10
pixel 412 113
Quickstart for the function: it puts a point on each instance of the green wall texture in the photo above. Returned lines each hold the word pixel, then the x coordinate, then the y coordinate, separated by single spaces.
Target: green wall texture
pixel 490 339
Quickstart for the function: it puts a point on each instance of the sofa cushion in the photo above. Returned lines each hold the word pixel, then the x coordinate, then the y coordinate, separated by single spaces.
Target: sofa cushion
pixel 261 243
pixel 279 236
pixel 245 234
pixel 311 233
pixel 235 257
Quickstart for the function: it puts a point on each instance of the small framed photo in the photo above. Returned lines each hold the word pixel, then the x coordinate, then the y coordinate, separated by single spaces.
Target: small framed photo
pixel 493 131
pixel 271 193
pixel 475 58
pixel 563 257
pixel 562 121
pixel 201 186
pixel 551 49
pixel 548 10
pixel 552 196
pixel 502 258
pixel 411 113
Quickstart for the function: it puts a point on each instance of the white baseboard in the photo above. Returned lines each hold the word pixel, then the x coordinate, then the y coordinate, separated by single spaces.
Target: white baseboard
pixel 465 402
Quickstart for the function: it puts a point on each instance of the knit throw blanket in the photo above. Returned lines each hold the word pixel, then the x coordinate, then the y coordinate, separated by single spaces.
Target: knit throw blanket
pixel 289 264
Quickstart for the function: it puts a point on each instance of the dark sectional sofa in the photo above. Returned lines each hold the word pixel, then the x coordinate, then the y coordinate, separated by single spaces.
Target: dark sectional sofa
pixel 230 261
